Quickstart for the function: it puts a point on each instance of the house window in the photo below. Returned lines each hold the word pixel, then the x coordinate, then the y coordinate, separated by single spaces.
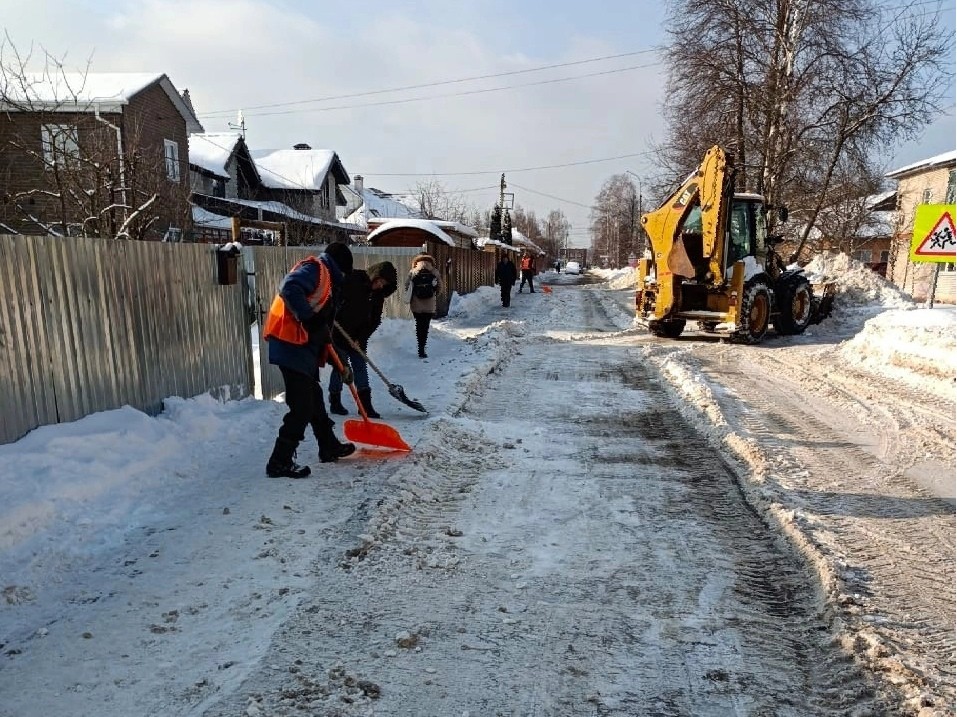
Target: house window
pixel 885 256
pixel 173 234
pixel 171 152
pixel 927 196
pixel 950 188
pixel 863 256
pixel 60 144
pixel 324 196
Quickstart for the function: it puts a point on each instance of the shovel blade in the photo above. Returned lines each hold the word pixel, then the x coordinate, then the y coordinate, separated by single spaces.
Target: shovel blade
pixel 374 434
pixel 398 393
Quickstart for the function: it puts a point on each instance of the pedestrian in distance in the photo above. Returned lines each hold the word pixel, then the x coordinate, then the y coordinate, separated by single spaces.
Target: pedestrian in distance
pixel 421 291
pixel 528 271
pixel 299 332
pixel 558 265
pixel 363 296
pixel 505 276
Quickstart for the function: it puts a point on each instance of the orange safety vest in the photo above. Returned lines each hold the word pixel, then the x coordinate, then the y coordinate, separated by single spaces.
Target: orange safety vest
pixel 282 323
pixel 526 262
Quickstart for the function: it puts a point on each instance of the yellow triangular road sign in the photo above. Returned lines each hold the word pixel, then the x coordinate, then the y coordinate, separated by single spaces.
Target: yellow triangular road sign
pixel 935 237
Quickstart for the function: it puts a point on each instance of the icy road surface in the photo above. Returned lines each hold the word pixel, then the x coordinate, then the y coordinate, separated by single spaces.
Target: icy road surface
pixel 593 522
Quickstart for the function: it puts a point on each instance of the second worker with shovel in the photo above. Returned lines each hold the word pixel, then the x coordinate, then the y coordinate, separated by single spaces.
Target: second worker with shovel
pixel 360 312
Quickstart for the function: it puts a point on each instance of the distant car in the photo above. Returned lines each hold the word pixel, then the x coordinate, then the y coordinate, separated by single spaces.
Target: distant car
pixel 573 267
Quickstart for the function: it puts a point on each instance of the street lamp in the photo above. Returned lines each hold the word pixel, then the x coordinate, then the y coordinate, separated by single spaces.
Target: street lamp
pixel 640 208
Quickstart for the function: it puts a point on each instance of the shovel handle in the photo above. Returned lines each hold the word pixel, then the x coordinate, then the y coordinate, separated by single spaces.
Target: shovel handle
pixel 358 349
pixel 337 362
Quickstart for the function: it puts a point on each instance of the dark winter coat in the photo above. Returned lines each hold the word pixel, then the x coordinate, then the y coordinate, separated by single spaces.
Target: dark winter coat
pixel 360 311
pixel 294 289
pixel 383 270
pixel 505 273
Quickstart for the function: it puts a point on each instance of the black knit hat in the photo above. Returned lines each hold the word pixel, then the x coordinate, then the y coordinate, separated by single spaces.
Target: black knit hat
pixel 342 255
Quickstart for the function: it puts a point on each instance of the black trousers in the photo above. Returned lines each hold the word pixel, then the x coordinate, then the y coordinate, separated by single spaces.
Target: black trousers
pixel 422 321
pixel 306 408
pixel 506 294
pixel 527 276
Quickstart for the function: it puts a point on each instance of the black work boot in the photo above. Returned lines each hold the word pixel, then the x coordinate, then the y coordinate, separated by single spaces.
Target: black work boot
pixel 281 463
pixel 331 448
pixel 365 398
pixel 335 404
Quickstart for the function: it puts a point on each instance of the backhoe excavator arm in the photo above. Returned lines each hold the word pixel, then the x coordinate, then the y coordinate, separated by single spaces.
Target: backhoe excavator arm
pixel 711 187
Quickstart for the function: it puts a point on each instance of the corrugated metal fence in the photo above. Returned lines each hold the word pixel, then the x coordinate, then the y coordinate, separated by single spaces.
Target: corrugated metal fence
pixel 90 325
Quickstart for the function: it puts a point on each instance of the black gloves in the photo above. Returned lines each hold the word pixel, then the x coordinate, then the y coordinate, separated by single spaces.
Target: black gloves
pixel 317 327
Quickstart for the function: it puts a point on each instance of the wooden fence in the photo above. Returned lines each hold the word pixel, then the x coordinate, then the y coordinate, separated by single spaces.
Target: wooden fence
pixel 91 325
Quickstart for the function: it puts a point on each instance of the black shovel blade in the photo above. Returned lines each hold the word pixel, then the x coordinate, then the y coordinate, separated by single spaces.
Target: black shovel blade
pixel 398 393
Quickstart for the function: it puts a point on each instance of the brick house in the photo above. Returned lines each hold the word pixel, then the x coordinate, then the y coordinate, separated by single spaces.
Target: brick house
pixel 930 181
pixel 298 188
pixel 100 154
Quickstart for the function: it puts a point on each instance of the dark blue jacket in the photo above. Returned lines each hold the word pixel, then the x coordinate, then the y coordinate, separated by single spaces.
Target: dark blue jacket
pixel 295 287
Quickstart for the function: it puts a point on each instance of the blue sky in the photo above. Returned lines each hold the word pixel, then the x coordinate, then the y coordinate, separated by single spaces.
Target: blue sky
pixel 234 54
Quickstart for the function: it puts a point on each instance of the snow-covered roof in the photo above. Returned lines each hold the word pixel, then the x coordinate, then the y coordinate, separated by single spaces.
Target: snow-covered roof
pixel 86 92
pixel 298 168
pixel 286 211
pixel 944 158
pixel 423 224
pixel 455 227
pixel 875 200
pixel 204 218
pixel 519 238
pixel 485 241
pixel 374 203
pixel 212 150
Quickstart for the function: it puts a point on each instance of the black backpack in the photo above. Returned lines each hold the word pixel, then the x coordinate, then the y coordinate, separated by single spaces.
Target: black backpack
pixel 423 286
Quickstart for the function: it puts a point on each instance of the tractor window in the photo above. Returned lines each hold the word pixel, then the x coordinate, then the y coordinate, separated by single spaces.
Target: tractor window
pixel 692 224
pixel 739 237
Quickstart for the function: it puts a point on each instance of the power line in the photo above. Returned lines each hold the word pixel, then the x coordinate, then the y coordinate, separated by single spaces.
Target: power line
pixel 451 94
pixel 508 171
pixel 433 84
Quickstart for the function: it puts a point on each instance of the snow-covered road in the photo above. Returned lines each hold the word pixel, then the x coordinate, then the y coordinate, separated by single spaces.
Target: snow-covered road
pixel 592 522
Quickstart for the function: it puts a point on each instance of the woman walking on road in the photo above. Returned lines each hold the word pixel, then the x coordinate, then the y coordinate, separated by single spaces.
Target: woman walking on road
pixel 421 291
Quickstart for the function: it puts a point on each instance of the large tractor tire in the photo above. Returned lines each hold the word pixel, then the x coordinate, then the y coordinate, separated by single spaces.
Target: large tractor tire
pixel 670 329
pixel 795 306
pixel 755 313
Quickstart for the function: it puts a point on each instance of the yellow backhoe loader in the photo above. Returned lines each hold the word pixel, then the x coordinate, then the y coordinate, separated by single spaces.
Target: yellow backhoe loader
pixel 713 262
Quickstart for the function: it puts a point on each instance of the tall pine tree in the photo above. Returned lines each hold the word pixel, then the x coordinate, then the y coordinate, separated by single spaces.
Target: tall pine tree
pixel 495 224
pixel 507 228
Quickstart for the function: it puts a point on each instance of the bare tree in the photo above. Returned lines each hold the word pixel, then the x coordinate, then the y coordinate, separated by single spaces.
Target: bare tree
pixel 615 221
pixel 67 168
pixel 805 93
pixel 437 202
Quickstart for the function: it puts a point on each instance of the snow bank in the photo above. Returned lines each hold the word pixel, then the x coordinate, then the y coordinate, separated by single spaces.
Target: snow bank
pixel 857 285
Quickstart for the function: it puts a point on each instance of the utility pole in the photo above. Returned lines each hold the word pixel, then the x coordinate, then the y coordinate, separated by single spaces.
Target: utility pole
pixel 240 124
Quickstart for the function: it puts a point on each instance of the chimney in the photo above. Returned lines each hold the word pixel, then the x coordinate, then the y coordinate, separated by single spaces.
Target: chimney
pixel 302 145
pixel 358 183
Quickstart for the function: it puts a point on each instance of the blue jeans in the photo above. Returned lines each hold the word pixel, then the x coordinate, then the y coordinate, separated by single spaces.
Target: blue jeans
pixel 360 370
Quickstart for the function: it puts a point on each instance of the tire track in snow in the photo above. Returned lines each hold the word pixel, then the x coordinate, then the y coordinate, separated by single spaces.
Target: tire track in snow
pixel 889 542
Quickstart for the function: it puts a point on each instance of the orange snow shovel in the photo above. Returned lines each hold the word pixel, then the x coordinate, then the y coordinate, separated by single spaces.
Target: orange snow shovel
pixel 365 431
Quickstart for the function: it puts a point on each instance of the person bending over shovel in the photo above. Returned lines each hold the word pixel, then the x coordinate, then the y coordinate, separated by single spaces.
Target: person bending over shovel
pixel 299 332
pixel 360 313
